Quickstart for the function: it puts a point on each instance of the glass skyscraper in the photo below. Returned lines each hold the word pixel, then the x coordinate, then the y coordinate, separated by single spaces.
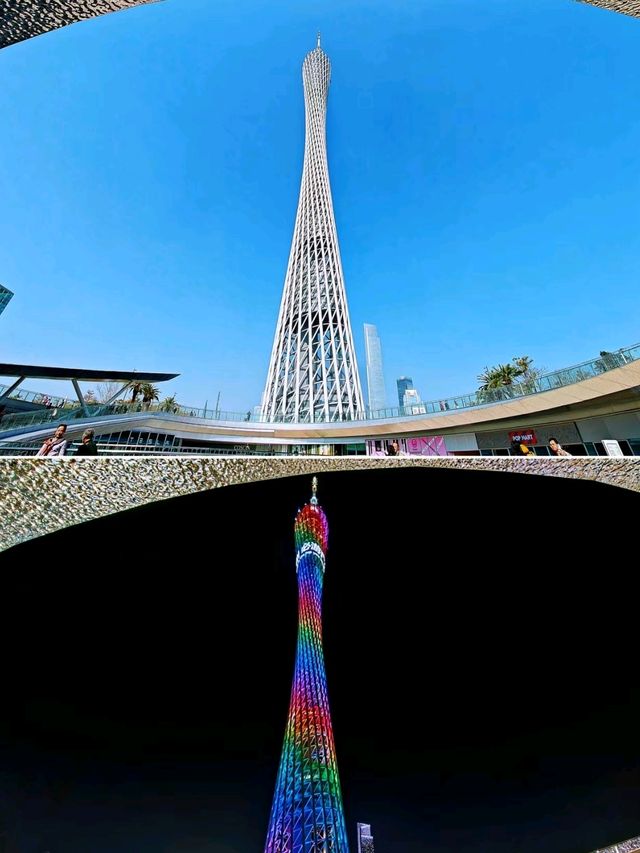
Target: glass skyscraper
pixel 411 396
pixel 375 377
pixel 365 838
pixel 5 296
pixel 405 383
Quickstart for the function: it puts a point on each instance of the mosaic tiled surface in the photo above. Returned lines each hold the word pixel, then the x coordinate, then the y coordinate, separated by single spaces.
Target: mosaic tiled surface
pixel 39 496
pixel 627 7
pixel 23 19
pixel 630 846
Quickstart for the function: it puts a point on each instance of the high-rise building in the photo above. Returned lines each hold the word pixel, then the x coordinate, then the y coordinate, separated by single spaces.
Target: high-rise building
pixel 404 384
pixel 375 376
pixel 307 813
pixel 313 374
pixel 365 838
pixel 5 296
pixel 412 403
pixel 411 396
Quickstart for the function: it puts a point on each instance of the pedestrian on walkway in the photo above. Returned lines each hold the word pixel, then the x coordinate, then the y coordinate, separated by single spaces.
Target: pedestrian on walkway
pixel 55 445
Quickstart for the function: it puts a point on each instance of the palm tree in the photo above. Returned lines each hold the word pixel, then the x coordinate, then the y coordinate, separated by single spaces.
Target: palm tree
pixel 496 383
pixel 506 374
pixel 136 390
pixel 523 365
pixel 528 374
pixel 169 404
pixel 486 379
pixel 149 393
pixel 497 377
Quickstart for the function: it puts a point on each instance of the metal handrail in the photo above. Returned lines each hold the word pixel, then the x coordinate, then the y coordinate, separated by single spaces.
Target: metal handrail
pixel 524 388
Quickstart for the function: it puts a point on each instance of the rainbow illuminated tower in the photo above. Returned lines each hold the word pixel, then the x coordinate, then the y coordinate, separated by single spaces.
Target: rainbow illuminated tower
pixel 307 815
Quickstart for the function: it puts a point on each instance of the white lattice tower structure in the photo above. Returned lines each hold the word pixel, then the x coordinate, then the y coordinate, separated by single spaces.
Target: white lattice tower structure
pixel 313 374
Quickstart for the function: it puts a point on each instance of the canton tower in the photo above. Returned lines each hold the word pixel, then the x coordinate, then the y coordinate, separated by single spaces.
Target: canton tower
pixel 313 374
pixel 307 814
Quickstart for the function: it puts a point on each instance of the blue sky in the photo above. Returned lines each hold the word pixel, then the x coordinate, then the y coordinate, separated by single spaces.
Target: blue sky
pixel 484 168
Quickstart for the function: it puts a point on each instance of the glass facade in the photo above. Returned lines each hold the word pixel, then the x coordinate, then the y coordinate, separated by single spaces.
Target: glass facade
pixel 411 397
pixel 405 383
pixel 5 296
pixel 365 838
pixel 375 377
pixel 132 442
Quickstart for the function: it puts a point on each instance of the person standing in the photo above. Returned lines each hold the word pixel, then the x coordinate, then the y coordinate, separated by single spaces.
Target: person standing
pixel 88 447
pixel 557 449
pixel 55 445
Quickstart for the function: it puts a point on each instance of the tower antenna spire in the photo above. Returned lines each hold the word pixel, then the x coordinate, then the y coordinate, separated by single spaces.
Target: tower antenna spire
pixel 314 490
pixel 318 38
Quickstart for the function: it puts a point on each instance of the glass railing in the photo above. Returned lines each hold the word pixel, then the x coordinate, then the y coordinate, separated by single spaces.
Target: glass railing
pixel 35 397
pixel 524 388
pixel 59 414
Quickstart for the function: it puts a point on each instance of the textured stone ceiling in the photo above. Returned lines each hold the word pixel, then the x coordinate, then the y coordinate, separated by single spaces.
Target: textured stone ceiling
pixel 40 496
pixel 23 19
pixel 627 7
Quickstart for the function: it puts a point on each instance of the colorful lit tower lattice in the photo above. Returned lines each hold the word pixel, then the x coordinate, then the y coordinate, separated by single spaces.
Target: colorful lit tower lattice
pixel 307 814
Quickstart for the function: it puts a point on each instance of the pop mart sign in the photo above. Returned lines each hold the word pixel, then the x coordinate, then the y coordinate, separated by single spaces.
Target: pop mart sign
pixel 524 436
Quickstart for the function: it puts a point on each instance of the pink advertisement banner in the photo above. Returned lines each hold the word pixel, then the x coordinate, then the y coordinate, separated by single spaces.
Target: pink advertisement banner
pixel 431 445
pixel 427 445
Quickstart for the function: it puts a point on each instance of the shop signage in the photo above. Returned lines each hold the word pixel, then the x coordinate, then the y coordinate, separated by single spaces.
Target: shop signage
pixel 523 436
